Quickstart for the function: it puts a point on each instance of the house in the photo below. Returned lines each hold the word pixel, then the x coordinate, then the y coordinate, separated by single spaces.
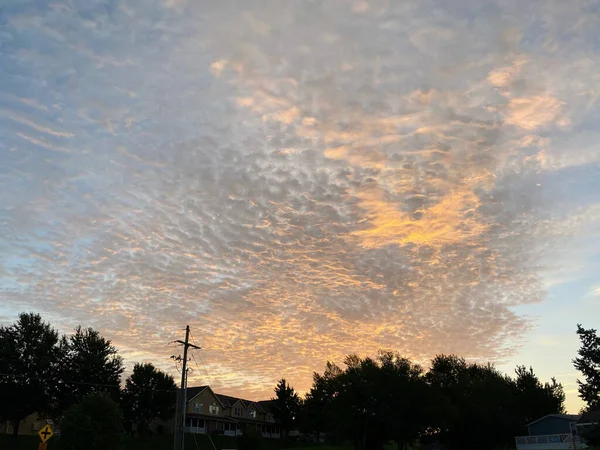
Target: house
pixel 28 426
pixel 552 424
pixel 210 413
pixel 551 432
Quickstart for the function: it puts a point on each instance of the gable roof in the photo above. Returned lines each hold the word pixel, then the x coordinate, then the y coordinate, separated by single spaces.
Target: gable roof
pixel 569 417
pixel 590 417
pixel 195 391
pixel 227 400
pixel 265 404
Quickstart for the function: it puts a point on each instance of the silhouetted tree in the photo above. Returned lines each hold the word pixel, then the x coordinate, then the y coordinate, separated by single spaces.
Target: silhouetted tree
pixel 537 399
pixel 285 406
pixel 29 355
pixel 405 402
pixel 313 415
pixel 94 423
pixel 149 394
pixel 91 364
pixel 463 405
pixel 486 408
pixel 588 363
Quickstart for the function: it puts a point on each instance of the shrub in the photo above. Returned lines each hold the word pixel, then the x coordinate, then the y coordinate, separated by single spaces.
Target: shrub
pixel 250 440
pixel 95 423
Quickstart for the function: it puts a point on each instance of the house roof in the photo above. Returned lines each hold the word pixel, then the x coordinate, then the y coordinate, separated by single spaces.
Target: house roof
pixel 590 417
pixel 570 417
pixel 265 404
pixel 228 400
pixel 193 391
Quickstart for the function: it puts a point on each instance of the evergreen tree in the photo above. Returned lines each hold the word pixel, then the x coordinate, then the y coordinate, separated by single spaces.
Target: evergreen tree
pixel 588 363
pixel 285 406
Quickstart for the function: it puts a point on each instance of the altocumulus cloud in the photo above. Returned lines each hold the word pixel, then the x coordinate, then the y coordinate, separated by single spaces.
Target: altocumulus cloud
pixel 295 180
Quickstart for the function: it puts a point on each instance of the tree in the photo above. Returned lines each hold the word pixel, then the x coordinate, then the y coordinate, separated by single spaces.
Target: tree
pixel 29 355
pixel 314 408
pixel 481 404
pixel 149 394
pixel 95 423
pixel 588 363
pixel 537 399
pixel 355 412
pixel 285 406
pixel 406 405
pixel 91 364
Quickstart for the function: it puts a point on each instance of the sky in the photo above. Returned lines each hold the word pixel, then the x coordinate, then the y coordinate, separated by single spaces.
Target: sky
pixel 301 180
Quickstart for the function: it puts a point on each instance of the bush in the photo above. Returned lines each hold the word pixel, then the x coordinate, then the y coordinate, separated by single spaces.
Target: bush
pixel 250 440
pixel 591 436
pixel 95 423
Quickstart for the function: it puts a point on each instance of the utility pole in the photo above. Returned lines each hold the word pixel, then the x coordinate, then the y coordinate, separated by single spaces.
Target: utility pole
pixel 181 405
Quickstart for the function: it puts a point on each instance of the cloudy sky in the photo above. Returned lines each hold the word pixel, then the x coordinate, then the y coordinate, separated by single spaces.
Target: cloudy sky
pixel 298 180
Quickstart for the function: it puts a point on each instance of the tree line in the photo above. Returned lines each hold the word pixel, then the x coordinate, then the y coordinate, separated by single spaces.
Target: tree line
pixel 56 376
pixel 372 401
pixel 456 403
pixel 368 401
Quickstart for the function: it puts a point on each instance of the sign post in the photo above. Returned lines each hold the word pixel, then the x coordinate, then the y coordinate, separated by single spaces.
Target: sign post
pixel 45 433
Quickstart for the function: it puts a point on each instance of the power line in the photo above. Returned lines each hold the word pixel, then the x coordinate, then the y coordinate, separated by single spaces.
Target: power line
pixel 203 369
pixel 178 443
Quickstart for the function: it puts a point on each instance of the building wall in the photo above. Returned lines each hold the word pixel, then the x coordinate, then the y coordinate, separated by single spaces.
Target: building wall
pixel 206 398
pixel 231 411
pixel 29 426
pixel 550 425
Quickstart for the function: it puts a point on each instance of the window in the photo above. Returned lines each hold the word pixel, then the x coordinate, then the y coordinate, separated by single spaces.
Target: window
pixel 252 413
pixel 213 409
pixel 237 411
pixel 270 417
pixel 198 408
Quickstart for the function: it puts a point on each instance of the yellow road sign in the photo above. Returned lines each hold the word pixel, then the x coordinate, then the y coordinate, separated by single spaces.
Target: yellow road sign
pixel 46 433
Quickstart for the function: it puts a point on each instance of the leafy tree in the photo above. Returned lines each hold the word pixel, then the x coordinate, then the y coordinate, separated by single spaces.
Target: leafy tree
pixel 314 409
pixel 29 355
pixel 537 399
pixel 406 405
pixel 463 405
pixel 481 402
pixel 149 394
pixel 588 363
pixel 285 406
pixel 91 364
pixel 95 423
pixel 356 405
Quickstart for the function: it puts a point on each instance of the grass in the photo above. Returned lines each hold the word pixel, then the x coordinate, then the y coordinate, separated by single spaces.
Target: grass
pixel 165 442
pixel 7 442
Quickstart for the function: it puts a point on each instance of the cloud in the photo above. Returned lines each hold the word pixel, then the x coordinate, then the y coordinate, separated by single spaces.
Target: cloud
pixel 533 112
pixel 296 183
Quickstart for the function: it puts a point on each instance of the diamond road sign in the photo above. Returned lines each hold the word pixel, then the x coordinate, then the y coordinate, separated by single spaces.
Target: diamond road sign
pixel 46 433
